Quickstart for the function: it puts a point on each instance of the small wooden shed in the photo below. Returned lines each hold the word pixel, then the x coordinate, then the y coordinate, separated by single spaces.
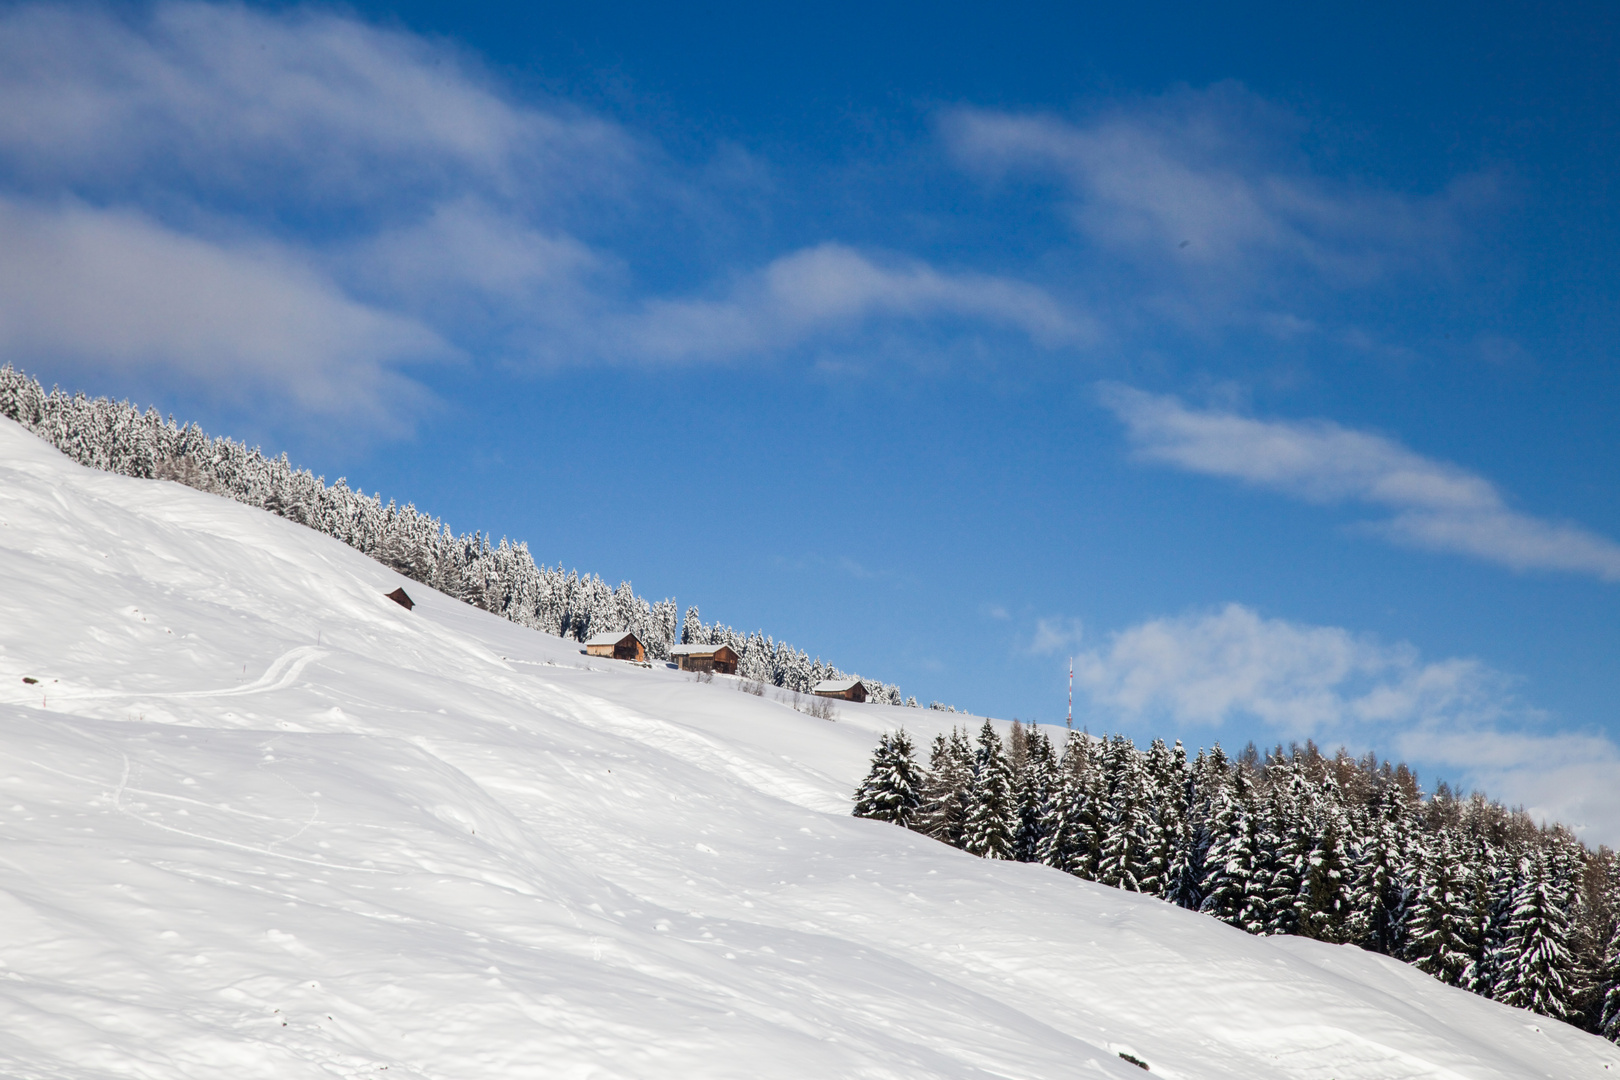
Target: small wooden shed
pixel 618 644
pixel 848 689
pixel 400 597
pixel 721 658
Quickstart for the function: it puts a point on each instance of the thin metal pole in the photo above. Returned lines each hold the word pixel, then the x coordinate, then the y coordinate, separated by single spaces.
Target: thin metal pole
pixel 1070 721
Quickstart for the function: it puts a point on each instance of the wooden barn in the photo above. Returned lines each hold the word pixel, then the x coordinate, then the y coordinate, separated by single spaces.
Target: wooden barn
pixel 848 689
pixel 720 658
pixel 618 644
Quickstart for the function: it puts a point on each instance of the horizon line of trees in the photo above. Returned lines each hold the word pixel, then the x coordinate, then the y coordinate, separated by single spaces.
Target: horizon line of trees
pixel 1342 849
pixel 502 578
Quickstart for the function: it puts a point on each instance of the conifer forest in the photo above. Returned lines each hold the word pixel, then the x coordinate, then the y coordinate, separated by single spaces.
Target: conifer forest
pixel 1336 848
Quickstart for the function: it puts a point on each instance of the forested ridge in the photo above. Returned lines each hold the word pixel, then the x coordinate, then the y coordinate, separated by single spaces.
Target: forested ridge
pixel 502 578
pixel 1338 848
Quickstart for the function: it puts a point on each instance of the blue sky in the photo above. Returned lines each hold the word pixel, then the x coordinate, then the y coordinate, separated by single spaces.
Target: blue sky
pixel 1261 358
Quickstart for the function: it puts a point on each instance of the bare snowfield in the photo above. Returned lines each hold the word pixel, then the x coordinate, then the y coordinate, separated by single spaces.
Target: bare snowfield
pixel 256 820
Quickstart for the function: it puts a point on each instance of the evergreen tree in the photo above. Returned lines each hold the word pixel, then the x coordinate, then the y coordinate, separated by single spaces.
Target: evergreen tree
pixel 1035 792
pixel 891 790
pixel 991 816
pixel 1492 911
pixel 1289 846
pixel 1325 899
pixel 1442 923
pixel 1119 860
pixel 1068 837
pixel 1164 799
pixel 1231 853
pixel 1609 984
pixel 1190 860
pixel 1533 966
pixel 1381 891
pixel 945 789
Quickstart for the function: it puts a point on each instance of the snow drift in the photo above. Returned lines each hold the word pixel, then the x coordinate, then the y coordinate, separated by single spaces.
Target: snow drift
pixel 259 820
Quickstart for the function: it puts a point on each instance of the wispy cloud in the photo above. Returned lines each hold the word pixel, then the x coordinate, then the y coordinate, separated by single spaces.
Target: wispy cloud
pixel 1196 168
pixel 214 193
pixel 1431 504
pixel 1199 206
pixel 301 204
pixel 1207 668
pixel 303 105
pixel 1214 669
pixel 1056 635
pixel 116 289
pixel 833 287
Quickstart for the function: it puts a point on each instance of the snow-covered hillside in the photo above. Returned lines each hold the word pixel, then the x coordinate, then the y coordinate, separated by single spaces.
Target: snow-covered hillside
pixel 258 820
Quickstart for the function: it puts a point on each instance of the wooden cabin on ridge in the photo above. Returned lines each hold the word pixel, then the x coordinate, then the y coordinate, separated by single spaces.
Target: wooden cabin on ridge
pixel 847 689
pixel 618 644
pixel 720 658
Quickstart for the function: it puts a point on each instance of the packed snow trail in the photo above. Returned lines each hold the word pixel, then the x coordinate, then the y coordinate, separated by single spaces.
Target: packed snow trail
pixel 257 820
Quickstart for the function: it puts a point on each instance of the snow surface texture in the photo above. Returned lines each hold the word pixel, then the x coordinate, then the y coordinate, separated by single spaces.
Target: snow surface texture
pixel 260 821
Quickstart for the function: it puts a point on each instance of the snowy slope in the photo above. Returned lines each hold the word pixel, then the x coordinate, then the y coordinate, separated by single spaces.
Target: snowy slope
pixel 257 820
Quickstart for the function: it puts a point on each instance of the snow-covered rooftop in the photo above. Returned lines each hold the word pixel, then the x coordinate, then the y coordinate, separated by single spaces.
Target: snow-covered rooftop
pixel 611 637
pixel 697 650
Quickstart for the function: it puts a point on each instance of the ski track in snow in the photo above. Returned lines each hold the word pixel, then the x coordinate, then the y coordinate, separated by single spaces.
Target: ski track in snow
pixel 691 746
pixel 399 852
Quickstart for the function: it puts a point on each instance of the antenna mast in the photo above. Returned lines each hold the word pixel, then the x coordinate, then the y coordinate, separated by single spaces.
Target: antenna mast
pixel 1070 721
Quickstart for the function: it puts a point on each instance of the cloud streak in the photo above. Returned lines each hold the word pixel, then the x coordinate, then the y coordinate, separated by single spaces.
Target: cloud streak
pixel 1431 504
pixel 303 204
pixel 116 289
pixel 1232 666
pixel 1191 179
pixel 832 287
pixel 303 105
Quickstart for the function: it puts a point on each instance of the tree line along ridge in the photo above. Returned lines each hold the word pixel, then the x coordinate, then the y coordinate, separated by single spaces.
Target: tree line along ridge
pixel 501 578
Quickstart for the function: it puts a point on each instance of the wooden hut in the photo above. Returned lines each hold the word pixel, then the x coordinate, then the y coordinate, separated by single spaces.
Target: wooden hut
pixel 618 644
pixel 721 658
pixel 400 597
pixel 848 689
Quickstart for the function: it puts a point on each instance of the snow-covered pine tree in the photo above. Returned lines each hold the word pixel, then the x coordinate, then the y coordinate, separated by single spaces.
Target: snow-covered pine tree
pixel 1125 816
pixel 891 790
pixel 1590 878
pixel 1325 908
pixel 1233 835
pixel 1066 840
pixel 1035 792
pixel 1609 983
pixel 1533 966
pixel 1440 941
pixel 991 818
pixel 1491 912
pixel 1165 801
pixel 1288 843
pixel 943 814
pixel 1189 858
pixel 1380 892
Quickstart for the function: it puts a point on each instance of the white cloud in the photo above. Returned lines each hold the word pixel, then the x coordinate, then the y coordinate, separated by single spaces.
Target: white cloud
pixel 1459 716
pixel 117 289
pixel 832 287
pixel 1055 635
pixel 1434 504
pixel 302 203
pixel 1189 180
pixel 304 102
pixel 1300 680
